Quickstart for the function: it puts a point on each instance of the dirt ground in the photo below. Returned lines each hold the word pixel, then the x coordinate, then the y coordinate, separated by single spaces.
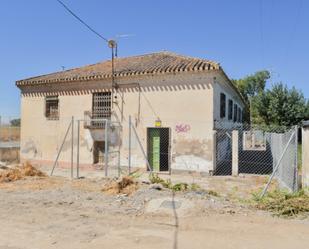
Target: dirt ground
pixel 56 212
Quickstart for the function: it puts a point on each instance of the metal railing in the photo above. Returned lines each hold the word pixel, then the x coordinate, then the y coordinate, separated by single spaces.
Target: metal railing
pixel 95 120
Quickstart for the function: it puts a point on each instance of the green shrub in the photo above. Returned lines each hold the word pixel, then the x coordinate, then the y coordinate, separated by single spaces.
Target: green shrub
pixel 155 179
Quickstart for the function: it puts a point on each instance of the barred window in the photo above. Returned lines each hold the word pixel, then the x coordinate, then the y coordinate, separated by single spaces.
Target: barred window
pixel 235 113
pixel 230 110
pixel 52 107
pixel 222 105
pixel 102 104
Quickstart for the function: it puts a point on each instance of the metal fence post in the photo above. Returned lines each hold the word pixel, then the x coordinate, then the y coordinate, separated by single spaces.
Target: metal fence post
pixel 142 149
pixel 130 141
pixel 72 147
pixel 77 152
pixel 119 169
pixel 106 148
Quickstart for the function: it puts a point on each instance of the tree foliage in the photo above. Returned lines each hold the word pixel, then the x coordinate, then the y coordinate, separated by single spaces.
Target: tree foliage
pixel 15 122
pixel 277 106
pixel 280 106
pixel 252 85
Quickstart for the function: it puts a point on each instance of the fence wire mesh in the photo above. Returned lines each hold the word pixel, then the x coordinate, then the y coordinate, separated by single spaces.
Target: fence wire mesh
pixel 98 143
pixel 101 147
pixel 259 150
pixel 9 140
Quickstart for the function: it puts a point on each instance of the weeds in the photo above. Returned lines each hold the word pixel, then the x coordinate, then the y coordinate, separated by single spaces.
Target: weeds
pixel 213 193
pixel 155 179
pixel 282 203
pixel 126 185
pixel 180 187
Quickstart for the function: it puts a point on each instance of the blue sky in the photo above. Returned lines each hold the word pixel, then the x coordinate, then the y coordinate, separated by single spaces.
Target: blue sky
pixel 39 37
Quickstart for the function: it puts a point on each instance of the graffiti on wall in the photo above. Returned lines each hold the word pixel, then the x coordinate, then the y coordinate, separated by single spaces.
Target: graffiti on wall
pixel 182 128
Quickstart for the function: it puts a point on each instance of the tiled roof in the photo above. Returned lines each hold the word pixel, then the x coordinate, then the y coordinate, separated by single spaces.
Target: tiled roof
pixel 149 64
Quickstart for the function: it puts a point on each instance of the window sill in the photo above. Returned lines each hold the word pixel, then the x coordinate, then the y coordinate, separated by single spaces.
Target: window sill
pixel 52 119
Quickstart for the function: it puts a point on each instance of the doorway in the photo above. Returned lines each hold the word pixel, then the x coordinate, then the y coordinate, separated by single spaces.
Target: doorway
pixel 158 148
pixel 98 152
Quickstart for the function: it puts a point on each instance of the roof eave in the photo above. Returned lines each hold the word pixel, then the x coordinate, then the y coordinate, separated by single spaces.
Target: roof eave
pixel 232 85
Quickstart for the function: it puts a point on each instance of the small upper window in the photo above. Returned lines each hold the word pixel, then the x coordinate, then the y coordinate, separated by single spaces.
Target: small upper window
pixel 230 110
pixel 222 105
pixel 235 113
pixel 52 107
pixel 239 115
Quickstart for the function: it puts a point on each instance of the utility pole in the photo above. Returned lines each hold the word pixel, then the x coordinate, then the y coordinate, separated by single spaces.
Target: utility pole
pixel 113 45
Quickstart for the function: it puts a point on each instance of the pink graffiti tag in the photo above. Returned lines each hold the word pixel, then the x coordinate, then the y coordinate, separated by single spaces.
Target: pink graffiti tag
pixel 182 128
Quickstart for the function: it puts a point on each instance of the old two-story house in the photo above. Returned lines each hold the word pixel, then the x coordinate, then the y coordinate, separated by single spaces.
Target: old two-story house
pixel 174 102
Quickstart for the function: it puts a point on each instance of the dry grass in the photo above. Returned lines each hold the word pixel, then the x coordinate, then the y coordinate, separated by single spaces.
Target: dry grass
pixel 126 185
pixel 20 172
pixel 282 203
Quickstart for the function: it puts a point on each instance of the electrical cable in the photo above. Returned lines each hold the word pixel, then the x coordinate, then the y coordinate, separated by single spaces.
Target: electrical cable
pixel 81 21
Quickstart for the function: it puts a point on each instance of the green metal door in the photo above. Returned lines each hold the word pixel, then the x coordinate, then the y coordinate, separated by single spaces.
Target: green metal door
pixel 158 148
pixel 154 149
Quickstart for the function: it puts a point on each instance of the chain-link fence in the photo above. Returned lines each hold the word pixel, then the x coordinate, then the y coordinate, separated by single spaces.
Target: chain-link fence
pixel 73 147
pixel 252 149
pixel 81 147
pixel 102 138
pixel 9 140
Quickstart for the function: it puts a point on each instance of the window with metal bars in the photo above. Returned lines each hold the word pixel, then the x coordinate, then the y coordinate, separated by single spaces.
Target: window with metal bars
pixel 102 104
pixel 52 107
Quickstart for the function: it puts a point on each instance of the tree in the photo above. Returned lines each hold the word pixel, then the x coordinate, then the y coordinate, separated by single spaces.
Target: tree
pixel 277 106
pixel 250 87
pixel 15 122
pixel 280 106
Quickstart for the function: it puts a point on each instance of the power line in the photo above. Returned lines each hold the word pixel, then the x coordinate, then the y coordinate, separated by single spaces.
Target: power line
pixel 81 21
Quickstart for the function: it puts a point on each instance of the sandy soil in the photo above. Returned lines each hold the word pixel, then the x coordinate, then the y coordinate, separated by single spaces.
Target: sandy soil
pixel 59 213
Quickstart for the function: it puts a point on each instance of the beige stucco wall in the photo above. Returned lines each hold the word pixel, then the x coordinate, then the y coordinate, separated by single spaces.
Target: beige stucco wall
pixel 222 86
pixel 42 138
pixel 183 102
